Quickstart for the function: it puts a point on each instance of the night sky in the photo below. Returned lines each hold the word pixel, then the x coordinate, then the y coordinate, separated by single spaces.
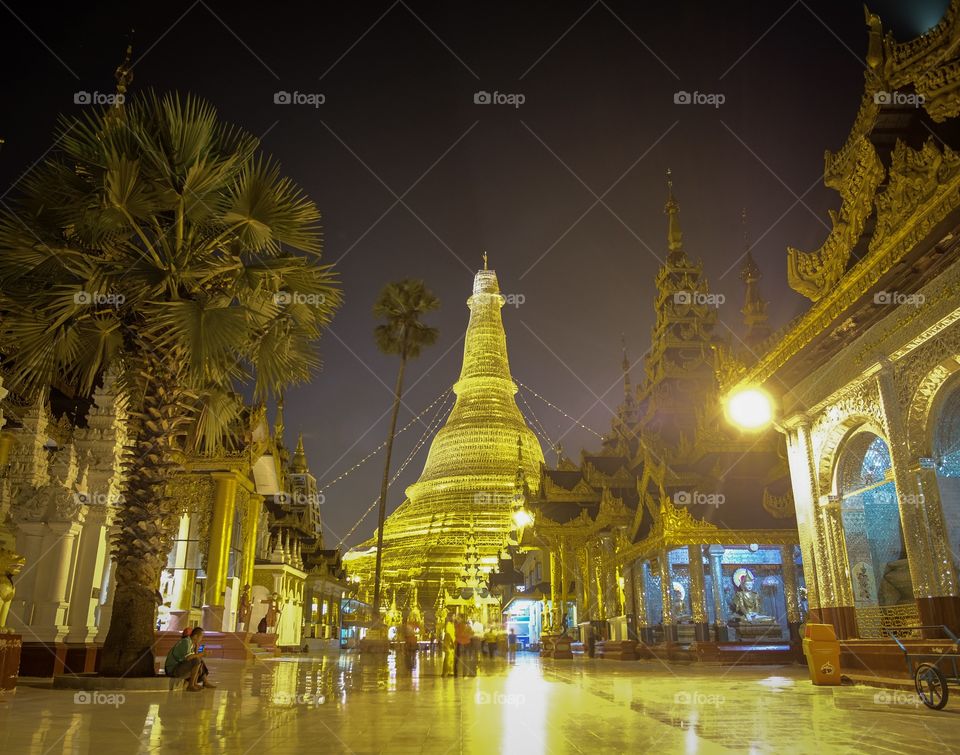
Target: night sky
pixel 565 192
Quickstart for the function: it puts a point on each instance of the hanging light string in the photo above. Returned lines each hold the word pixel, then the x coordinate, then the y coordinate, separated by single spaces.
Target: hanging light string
pixel 557 408
pixel 383 445
pixel 439 418
pixel 542 431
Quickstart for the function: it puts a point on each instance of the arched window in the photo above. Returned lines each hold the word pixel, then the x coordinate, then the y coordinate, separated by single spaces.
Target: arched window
pixel 879 571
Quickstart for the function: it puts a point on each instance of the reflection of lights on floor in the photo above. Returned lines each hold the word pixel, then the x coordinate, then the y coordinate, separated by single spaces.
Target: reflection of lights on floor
pixel 777 683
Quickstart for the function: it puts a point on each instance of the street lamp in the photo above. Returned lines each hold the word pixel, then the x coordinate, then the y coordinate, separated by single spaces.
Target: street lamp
pixel 522 518
pixel 749 408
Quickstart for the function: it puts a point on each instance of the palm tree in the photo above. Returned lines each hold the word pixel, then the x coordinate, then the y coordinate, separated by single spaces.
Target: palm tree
pixel 401 304
pixel 155 239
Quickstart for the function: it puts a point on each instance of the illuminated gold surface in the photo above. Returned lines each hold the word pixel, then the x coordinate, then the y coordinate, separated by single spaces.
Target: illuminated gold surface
pixel 468 482
pixel 338 704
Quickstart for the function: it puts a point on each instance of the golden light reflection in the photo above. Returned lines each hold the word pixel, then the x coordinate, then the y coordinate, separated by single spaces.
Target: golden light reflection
pixel 750 408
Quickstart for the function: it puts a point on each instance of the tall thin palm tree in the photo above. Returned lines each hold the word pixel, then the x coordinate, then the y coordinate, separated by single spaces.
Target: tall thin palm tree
pixel 401 305
pixel 157 240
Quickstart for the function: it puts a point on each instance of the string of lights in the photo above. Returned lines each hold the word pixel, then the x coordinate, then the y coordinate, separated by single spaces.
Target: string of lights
pixel 557 408
pixel 383 445
pixel 537 425
pixel 428 433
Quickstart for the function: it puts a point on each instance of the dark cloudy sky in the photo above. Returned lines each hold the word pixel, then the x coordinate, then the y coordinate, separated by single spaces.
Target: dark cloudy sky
pixel 565 191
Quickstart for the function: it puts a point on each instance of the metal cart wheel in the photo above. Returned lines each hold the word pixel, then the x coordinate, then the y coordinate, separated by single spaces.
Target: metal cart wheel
pixel 931 686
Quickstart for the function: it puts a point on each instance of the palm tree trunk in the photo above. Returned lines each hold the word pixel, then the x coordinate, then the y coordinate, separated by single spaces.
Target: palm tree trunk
pixel 146 520
pixel 398 390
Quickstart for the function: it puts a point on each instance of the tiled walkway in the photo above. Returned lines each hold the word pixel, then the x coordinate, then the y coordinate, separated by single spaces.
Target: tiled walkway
pixel 333 704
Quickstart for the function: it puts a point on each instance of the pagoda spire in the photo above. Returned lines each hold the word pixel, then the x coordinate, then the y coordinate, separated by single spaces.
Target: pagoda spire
pixel 299 464
pixel 625 367
pixel 755 307
pixel 672 210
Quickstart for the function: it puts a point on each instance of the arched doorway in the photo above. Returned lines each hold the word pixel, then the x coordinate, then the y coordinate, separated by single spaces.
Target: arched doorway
pixel 879 572
pixel 946 450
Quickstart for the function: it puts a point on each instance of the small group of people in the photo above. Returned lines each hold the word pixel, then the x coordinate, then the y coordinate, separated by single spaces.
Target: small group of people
pixel 185 661
pixel 463 641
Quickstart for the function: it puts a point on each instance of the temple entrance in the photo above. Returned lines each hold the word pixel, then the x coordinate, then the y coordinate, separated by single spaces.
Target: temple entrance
pixel 946 449
pixel 879 572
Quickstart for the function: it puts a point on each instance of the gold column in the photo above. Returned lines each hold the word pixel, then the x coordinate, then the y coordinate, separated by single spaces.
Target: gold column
pixel 698 590
pixel 945 576
pixel 554 590
pixel 790 584
pixel 221 529
pixel 583 580
pixel 254 506
pixel 819 580
pixel 640 593
pixel 565 570
pixel 836 548
pixel 596 566
pixel 915 533
pixel 666 590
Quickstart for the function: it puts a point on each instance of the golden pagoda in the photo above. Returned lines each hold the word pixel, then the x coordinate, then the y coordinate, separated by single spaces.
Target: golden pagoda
pixel 468 489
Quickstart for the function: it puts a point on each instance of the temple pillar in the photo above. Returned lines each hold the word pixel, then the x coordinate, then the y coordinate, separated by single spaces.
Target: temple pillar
pixel 104 608
pixel 91 548
pixel 221 529
pixel 181 599
pixel 640 601
pixel 823 597
pixel 583 582
pixel 790 591
pixel 630 600
pixel 715 552
pixel 920 521
pixel 698 593
pixel 666 595
pixel 944 606
pixel 49 622
pixel 554 615
pixel 254 507
pixel 565 574
pixel 596 567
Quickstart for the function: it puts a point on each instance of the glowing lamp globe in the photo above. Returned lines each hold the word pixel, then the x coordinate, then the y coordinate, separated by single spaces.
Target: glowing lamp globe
pixel 750 408
pixel 522 518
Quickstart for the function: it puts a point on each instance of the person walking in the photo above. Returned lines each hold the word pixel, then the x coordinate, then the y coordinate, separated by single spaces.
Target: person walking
pixel 449 643
pixel 512 646
pixel 464 634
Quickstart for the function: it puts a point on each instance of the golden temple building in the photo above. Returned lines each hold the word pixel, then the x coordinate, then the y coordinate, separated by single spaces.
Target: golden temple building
pixel 464 500
pixel 865 385
pixel 675 539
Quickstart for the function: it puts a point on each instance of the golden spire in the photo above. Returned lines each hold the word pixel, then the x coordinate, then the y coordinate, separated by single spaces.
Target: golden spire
pixel 484 260
pixel 278 422
pixel 754 308
pixel 299 457
pixel 672 210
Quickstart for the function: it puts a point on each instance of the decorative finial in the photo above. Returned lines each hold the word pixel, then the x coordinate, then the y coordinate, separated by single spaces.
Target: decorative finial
pixel 484 260
pixel 299 456
pixel 672 209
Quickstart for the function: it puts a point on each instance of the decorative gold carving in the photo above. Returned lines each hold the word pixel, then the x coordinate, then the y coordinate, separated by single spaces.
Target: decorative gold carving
pixel 813 274
pixel 778 506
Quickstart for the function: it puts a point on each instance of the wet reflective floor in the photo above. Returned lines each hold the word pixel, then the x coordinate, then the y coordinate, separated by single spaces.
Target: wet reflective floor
pixel 344 703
